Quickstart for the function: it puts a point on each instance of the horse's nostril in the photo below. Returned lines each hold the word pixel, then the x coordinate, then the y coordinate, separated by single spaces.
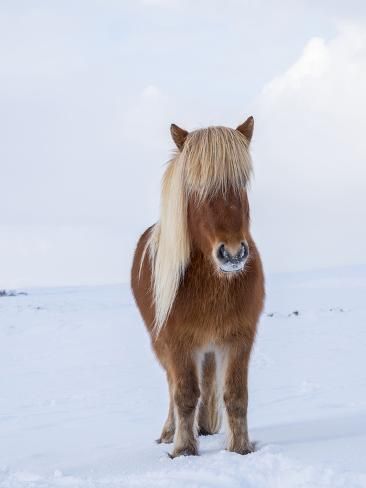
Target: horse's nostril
pixel 222 254
pixel 243 250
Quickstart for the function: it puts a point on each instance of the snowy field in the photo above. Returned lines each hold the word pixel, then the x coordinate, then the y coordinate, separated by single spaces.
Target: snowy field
pixel 82 398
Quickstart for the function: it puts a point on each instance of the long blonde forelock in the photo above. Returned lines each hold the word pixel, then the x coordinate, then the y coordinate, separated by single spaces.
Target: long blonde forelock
pixel 212 161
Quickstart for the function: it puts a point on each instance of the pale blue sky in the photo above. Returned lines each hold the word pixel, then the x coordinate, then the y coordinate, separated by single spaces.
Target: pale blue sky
pixel 88 91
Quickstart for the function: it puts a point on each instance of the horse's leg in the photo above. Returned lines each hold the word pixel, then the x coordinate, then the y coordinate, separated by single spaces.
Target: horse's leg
pixel 209 417
pixel 167 433
pixel 236 398
pixel 186 395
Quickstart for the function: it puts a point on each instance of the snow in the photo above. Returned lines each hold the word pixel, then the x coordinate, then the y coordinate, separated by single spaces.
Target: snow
pixel 82 398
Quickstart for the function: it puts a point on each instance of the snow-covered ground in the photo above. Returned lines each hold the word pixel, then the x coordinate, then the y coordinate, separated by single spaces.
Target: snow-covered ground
pixel 82 398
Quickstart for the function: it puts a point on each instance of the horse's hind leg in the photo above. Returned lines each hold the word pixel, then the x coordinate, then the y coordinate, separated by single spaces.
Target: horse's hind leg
pixel 209 416
pixel 167 434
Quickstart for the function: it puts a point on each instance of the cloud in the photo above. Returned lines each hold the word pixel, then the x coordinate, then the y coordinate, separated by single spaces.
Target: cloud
pixel 311 153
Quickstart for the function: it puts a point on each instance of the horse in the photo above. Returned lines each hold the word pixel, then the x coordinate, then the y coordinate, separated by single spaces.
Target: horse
pixel 197 279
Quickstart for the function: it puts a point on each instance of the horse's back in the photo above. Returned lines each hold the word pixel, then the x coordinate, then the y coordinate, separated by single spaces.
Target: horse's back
pixel 141 279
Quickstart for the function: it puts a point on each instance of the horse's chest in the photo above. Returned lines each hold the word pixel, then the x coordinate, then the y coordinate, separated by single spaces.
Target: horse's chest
pixel 209 309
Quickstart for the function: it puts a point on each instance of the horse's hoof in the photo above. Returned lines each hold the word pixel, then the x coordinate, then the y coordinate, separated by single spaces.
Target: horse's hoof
pixel 186 451
pixel 247 449
pixel 165 438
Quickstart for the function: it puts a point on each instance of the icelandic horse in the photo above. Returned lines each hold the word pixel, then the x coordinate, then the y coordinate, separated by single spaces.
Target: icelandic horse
pixel 198 282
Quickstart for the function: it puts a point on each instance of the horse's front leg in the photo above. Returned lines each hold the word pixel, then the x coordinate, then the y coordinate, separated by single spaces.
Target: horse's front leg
pixel 186 395
pixel 236 398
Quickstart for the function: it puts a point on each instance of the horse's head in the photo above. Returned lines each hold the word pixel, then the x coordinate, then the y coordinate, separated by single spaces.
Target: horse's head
pixel 216 173
pixel 219 228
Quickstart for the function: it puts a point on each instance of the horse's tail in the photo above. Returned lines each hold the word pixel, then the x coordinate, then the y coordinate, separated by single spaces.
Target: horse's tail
pixel 210 409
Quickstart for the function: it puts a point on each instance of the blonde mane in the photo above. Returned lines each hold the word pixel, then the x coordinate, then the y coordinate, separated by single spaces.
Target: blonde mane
pixel 212 161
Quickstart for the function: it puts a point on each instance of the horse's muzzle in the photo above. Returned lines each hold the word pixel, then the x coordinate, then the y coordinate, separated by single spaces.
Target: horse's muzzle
pixel 229 262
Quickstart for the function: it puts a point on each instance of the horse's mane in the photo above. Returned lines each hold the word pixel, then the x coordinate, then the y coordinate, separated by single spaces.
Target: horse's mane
pixel 212 161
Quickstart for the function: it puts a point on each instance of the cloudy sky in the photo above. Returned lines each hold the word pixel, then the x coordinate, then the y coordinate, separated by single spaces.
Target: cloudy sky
pixel 88 90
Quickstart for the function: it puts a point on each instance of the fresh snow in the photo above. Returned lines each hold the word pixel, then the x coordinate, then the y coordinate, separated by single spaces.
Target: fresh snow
pixel 82 397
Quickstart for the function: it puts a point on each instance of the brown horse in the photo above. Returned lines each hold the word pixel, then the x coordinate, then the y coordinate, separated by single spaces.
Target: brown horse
pixel 197 279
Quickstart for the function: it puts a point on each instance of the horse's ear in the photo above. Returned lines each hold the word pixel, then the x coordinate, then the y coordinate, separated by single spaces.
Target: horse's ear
pixel 247 128
pixel 179 136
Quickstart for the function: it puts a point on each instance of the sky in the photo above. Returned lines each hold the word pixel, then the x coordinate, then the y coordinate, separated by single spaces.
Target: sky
pixel 88 90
